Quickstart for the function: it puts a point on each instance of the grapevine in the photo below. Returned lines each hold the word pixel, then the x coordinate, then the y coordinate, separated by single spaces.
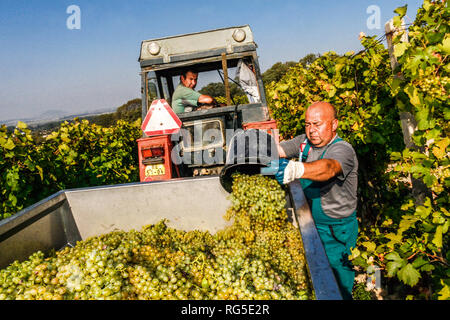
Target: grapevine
pixel 405 237
pixel 78 154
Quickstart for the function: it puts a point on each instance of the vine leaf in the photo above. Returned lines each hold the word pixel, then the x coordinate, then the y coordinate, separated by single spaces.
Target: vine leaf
pixel 444 294
pixel 439 149
pixel 401 11
pixel 437 240
pixel 394 264
pixel 21 125
pixel 400 49
pixel 395 239
pixel 409 275
pixel 9 145
pixel 446 45
pixel 371 246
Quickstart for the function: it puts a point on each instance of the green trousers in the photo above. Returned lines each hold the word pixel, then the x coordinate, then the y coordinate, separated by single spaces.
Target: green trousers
pixel 337 235
pixel 337 241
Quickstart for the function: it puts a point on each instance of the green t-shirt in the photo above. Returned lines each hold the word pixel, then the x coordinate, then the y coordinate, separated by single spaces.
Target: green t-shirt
pixel 184 97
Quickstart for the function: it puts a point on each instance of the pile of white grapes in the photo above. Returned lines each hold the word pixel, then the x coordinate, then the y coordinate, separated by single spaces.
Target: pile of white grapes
pixel 260 256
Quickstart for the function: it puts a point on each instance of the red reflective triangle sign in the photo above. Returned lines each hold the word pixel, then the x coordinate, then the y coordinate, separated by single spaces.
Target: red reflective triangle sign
pixel 160 119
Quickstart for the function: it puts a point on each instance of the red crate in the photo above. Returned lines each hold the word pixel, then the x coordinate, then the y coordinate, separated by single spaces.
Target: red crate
pixel 154 158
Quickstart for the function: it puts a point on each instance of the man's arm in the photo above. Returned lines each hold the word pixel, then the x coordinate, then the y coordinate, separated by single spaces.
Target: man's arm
pixel 290 148
pixel 205 99
pixel 281 152
pixel 321 170
pixel 206 102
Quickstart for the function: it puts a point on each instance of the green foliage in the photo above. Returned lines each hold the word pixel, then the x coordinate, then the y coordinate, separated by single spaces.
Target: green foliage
pixel 129 112
pixel 78 154
pixel 308 59
pixel 360 292
pixel 217 89
pixel 279 69
pixel 413 245
pixel 276 72
pixel 239 99
pixel 406 239
pixel 20 172
pixel 356 86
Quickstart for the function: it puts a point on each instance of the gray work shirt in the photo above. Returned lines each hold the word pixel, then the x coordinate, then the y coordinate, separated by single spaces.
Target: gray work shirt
pixel 338 195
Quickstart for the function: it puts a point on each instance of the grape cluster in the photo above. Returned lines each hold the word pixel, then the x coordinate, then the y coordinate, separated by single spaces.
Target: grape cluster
pixel 259 256
pixel 437 87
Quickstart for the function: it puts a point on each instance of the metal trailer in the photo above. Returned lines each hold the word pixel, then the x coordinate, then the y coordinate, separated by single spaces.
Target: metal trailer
pixel 77 214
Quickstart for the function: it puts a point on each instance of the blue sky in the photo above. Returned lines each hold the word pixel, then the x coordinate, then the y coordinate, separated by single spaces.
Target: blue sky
pixel 45 66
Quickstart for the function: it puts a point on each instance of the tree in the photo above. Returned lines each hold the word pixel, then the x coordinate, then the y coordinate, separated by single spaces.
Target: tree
pixel 279 69
pixel 129 111
pixel 213 89
pixel 276 72
pixel 217 89
pixel 308 59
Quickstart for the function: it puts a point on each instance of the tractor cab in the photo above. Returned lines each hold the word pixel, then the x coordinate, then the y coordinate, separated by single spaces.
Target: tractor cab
pixel 226 56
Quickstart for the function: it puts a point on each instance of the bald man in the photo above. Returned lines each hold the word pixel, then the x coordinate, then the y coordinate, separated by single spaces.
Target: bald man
pixel 328 171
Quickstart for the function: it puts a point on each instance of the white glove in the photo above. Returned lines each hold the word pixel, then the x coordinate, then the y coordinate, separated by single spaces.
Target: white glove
pixel 294 170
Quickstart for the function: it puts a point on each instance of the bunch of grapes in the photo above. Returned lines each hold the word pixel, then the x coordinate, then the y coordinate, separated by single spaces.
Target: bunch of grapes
pixel 437 87
pixel 260 256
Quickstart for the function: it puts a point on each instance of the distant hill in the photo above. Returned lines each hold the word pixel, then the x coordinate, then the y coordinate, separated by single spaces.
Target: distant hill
pixel 52 114
pixel 130 111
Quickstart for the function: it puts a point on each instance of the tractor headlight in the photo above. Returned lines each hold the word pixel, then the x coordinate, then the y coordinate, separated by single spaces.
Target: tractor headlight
pixel 153 48
pixel 239 35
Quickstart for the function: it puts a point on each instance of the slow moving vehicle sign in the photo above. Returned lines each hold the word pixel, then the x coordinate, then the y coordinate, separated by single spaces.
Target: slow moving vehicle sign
pixel 160 119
